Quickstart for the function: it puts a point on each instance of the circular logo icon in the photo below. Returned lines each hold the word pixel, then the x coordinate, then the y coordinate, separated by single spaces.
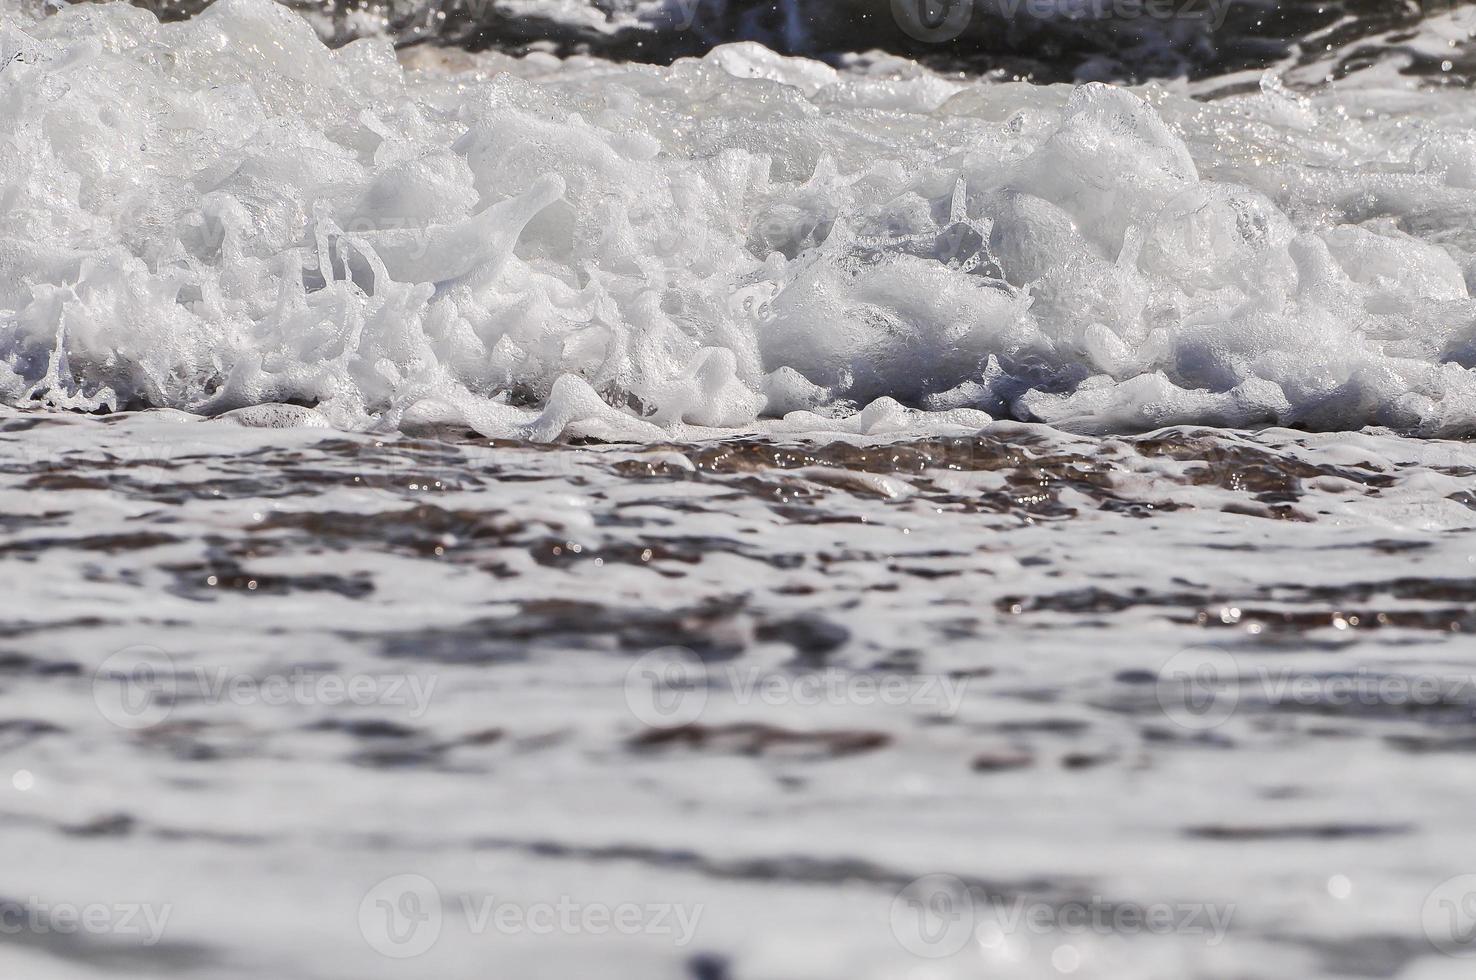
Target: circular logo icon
pixel 666 688
pixel 933 21
pixel 1449 917
pixel 401 916
pixel 933 916
pixel 135 687
pixel 1199 688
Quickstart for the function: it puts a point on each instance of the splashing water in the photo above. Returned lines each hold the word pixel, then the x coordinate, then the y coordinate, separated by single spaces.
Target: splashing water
pixel 223 214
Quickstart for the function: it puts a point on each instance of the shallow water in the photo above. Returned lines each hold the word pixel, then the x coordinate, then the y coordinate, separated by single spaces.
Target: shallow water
pixel 899 658
pixel 576 526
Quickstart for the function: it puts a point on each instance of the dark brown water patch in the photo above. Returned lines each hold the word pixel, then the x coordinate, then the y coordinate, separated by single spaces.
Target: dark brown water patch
pixel 750 738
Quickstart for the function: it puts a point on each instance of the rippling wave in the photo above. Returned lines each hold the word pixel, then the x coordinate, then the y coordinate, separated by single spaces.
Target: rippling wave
pixel 1041 40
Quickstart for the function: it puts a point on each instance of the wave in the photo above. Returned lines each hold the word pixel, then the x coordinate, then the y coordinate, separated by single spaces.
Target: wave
pixel 1037 40
pixel 225 213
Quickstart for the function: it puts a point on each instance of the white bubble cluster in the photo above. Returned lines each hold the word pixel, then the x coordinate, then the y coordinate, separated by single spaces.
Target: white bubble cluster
pixel 224 213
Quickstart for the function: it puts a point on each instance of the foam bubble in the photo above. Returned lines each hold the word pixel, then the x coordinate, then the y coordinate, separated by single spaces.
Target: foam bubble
pixel 224 213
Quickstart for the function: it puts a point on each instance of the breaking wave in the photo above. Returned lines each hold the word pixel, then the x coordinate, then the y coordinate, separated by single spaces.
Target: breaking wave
pixel 224 213
pixel 1036 40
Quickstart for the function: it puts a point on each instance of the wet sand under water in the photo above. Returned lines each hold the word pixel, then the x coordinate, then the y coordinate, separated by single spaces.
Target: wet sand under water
pixel 957 656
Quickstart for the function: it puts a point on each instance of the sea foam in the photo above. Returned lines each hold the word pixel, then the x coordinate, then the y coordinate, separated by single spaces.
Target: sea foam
pixel 224 213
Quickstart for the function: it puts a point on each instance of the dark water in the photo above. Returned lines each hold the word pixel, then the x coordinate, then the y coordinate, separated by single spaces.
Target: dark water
pixel 1037 40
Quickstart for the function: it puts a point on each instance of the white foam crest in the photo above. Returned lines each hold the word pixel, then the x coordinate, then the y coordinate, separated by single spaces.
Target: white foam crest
pixel 224 213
